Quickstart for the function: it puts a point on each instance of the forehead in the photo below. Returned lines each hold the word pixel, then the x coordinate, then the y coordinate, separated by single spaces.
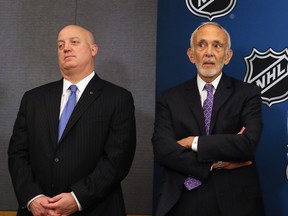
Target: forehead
pixel 69 33
pixel 211 33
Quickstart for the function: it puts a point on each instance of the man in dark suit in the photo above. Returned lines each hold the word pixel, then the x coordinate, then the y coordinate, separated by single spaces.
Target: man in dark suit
pixel 215 163
pixel 80 172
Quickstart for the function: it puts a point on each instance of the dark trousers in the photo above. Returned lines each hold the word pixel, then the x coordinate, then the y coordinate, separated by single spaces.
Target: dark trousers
pixel 191 203
pixel 202 201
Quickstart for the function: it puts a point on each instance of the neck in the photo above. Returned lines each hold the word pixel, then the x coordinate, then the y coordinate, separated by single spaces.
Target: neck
pixel 74 76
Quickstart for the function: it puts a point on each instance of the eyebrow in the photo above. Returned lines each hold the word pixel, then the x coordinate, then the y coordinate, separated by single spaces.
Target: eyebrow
pixel 214 41
pixel 69 39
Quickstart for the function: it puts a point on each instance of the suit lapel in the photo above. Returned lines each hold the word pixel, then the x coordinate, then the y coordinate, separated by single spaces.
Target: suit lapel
pixel 222 94
pixel 91 92
pixel 53 100
pixel 192 97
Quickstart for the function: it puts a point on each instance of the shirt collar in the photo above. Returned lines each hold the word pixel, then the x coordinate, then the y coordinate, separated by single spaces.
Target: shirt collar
pixel 80 85
pixel 201 83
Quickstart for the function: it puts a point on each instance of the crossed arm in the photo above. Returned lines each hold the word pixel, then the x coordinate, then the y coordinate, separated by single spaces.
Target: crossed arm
pixel 229 165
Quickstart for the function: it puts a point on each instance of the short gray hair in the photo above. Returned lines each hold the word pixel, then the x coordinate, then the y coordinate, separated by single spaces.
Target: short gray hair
pixel 211 23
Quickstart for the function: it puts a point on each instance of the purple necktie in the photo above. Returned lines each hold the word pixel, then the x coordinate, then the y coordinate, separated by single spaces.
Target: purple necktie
pixel 190 182
pixel 207 106
pixel 67 110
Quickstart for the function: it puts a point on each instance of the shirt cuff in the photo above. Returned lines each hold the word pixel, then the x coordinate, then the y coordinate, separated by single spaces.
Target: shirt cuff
pixel 78 204
pixel 194 145
pixel 28 204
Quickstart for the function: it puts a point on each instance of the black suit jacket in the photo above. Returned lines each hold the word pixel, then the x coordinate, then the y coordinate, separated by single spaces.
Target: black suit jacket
pixel 179 114
pixel 93 156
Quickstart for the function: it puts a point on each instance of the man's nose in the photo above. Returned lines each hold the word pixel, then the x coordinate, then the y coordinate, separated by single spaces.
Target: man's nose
pixel 209 50
pixel 67 47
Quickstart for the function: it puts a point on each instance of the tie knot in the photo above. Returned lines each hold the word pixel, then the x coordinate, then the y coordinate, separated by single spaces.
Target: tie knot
pixel 73 88
pixel 209 87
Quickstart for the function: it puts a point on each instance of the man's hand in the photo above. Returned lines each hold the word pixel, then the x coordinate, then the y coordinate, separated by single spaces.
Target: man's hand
pixel 62 204
pixel 36 206
pixel 186 142
pixel 231 165
pixel 241 131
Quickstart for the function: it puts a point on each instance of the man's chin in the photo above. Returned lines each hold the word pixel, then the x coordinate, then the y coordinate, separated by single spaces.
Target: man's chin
pixel 69 65
pixel 209 74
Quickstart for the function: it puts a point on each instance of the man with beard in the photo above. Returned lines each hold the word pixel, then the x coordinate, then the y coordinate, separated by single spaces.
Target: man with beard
pixel 206 132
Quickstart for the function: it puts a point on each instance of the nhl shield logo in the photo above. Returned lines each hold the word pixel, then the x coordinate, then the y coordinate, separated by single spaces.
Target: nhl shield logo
pixel 269 70
pixel 210 8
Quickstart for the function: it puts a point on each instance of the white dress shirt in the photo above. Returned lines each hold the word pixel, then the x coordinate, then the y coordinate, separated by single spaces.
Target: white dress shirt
pixel 203 95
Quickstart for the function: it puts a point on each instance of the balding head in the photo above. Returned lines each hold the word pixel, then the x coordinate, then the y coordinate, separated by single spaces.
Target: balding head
pixel 86 33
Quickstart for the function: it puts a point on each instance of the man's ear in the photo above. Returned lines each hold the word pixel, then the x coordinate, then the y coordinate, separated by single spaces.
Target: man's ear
pixel 190 55
pixel 94 49
pixel 228 56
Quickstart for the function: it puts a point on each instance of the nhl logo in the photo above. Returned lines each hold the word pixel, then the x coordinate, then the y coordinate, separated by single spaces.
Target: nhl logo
pixel 269 70
pixel 210 8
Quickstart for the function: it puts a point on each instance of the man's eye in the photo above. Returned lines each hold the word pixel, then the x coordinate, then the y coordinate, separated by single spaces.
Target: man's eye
pixel 218 46
pixel 75 42
pixel 60 46
pixel 201 45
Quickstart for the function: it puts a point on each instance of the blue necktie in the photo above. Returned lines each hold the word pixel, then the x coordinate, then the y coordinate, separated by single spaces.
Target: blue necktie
pixel 207 106
pixel 67 110
pixel 190 182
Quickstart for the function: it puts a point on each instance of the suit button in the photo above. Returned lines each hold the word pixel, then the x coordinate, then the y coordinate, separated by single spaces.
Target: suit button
pixel 56 160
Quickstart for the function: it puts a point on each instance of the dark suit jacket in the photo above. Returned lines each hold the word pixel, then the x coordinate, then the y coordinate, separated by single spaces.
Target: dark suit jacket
pixel 179 114
pixel 94 154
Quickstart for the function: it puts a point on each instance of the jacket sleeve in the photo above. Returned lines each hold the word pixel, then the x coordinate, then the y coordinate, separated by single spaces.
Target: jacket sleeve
pixel 167 151
pixel 25 185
